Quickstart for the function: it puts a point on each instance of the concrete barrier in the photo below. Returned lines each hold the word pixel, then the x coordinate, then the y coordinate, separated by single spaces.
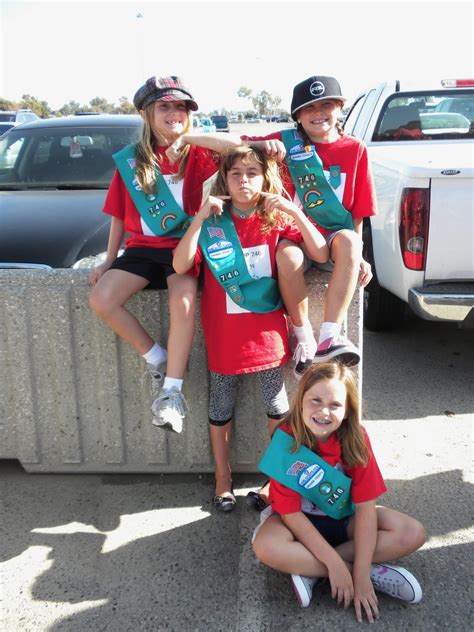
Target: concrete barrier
pixel 73 397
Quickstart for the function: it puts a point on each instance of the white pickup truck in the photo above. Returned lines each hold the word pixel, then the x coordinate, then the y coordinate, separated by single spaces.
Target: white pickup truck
pixel 421 243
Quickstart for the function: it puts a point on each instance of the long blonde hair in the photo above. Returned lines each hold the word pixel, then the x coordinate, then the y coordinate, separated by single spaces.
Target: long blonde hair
pixel 350 434
pixel 146 160
pixel 271 181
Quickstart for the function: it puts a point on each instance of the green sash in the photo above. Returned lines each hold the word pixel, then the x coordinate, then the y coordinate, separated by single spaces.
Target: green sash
pixel 220 245
pixel 317 196
pixel 160 211
pixel 308 474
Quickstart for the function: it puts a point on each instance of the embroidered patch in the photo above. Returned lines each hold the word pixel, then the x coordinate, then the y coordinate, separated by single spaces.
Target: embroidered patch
pixel 132 163
pixel 313 198
pixel 214 231
pixel 325 488
pixel 220 250
pixel 233 274
pixel 170 217
pixel 298 153
pixel 311 476
pixel 296 467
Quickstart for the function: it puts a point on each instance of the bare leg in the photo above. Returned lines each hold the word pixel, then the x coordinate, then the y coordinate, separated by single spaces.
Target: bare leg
pixel 290 265
pixel 346 252
pixel 107 300
pixel 220 442
pixel 182 305
pixel 398 535
pixel 276 547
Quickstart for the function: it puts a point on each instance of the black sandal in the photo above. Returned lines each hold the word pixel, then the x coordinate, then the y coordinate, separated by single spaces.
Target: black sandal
pixel 255 501
pixel 224 503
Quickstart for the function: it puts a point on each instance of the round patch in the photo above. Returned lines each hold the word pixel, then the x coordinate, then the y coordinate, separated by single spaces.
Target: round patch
pixel 311 476
pixel 316 88
pixel 325 488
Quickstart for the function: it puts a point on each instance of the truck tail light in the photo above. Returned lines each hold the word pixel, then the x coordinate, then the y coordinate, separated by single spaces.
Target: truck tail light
pixel 413 229
pixel 457 83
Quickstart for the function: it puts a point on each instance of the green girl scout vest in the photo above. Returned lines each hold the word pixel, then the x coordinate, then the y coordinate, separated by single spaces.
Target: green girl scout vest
pixel 317 196
pixel 308 474
pixel 220 245
pixel 160 211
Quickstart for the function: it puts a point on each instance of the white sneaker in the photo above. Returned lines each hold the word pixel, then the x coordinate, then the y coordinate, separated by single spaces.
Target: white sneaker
pixel 169 409
pixel 303 589
pixel 157 374
pixel 303 357
pixel 396 582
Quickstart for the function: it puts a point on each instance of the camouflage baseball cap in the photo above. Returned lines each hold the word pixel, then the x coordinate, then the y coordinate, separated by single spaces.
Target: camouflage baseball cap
pixel 163 89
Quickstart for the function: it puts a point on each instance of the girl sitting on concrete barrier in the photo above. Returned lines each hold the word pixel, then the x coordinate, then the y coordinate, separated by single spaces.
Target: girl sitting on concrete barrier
pixel 243 319
pixel 158 184
pixel 324 481
pixel 327 173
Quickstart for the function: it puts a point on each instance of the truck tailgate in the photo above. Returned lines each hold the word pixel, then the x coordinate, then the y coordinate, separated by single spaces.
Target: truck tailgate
pixel 451 229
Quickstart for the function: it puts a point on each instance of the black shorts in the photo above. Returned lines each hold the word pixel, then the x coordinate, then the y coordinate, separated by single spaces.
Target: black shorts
pixel 153 264
pixel 332 530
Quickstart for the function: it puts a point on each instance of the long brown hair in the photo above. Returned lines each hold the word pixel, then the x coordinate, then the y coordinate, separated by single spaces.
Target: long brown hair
pixel 146 160
pixel 271 180
pixel 350 433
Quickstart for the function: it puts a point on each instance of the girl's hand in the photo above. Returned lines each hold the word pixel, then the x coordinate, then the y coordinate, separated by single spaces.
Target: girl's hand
pixel 214 205
pixel 342 587
pixel 365 273
pixel 271 201
pixel 98 271
pixel 273 148
pixel 365 598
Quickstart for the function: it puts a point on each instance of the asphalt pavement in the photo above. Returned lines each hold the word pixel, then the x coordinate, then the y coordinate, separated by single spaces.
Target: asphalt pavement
pixel 144 553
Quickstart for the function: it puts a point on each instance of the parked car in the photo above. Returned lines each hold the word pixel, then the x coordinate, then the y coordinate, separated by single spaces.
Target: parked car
pixel 221 123
pixel 197 125
pixel 54 176
pixel 284 118
pixel 18 116
pixel 420 141
pixel 207 124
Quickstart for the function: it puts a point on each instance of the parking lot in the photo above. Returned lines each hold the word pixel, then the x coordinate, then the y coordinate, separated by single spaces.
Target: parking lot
pixel 123 552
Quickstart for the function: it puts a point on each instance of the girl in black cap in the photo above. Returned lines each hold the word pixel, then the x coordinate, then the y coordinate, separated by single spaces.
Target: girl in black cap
pixel 328 174
pixel 158 183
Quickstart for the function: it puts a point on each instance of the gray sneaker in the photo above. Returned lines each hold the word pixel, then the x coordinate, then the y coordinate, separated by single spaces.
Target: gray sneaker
pixel 157 374
pixel 169 410
pixel 396 582
pixel 303 588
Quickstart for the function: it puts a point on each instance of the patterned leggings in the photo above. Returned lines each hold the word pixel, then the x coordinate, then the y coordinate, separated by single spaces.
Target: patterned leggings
pixel 223 393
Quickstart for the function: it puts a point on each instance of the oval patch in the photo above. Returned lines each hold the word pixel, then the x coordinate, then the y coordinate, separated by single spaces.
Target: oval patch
pixel 220 250
pixel 311 476
pixel 450 172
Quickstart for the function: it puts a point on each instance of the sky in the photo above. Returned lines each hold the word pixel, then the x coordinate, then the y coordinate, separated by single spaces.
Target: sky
pixel 75 50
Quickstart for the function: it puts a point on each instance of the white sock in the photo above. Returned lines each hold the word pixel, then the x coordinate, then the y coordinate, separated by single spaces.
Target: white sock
pixel 305 335
pixel 329 330
pixel 172 382
pixel 155 356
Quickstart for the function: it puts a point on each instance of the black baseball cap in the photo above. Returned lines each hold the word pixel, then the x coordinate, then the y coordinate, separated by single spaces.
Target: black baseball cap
pixel 315 89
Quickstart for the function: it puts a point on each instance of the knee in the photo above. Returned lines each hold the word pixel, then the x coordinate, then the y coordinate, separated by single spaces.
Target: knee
pixel 412 536
pixel 347 245
pixel 289 260
pixel 100 303
pixel 265 550
pixel 183 302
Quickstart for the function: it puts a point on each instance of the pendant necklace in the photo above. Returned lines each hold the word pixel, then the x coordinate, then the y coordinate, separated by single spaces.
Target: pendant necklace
pixel 243 214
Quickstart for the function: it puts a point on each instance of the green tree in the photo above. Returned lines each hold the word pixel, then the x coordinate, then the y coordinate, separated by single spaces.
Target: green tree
pixel 70 108
pixel 124 107
pixel 99 104
pixel 7 105
pixel 261 102
pixel 41 108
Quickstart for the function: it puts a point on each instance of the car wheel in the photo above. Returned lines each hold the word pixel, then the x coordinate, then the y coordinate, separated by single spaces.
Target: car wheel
pixel 382 309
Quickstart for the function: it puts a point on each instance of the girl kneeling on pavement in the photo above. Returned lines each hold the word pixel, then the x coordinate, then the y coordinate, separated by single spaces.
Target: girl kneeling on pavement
pixel 158 184
pixel 243 319
pixel 320 462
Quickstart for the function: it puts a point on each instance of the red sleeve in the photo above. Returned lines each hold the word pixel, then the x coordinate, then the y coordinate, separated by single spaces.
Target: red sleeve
pixel 365 204
pixel 202 164
pixel 115 200
pixel 291 232
pixel 282 499
pixel 276 135
pixel 367 482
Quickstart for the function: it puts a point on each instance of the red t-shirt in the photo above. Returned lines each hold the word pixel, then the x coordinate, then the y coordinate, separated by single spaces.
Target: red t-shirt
pixel 239 341
pixel 202 164
pixel 356 191
pixel 367 482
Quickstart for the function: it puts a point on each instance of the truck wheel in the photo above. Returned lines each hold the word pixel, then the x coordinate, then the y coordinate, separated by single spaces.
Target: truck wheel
pixel 382 310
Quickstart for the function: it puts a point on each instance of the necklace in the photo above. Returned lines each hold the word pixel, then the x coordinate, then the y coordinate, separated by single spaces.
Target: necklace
pixel 243 214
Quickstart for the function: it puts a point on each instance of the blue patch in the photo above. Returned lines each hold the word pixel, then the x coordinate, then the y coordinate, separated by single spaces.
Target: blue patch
pixel 220 250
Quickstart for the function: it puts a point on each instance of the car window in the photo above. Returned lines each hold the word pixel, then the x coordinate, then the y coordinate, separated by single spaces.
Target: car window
pixel 59 156
pixel 7 117
pixel 425 117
